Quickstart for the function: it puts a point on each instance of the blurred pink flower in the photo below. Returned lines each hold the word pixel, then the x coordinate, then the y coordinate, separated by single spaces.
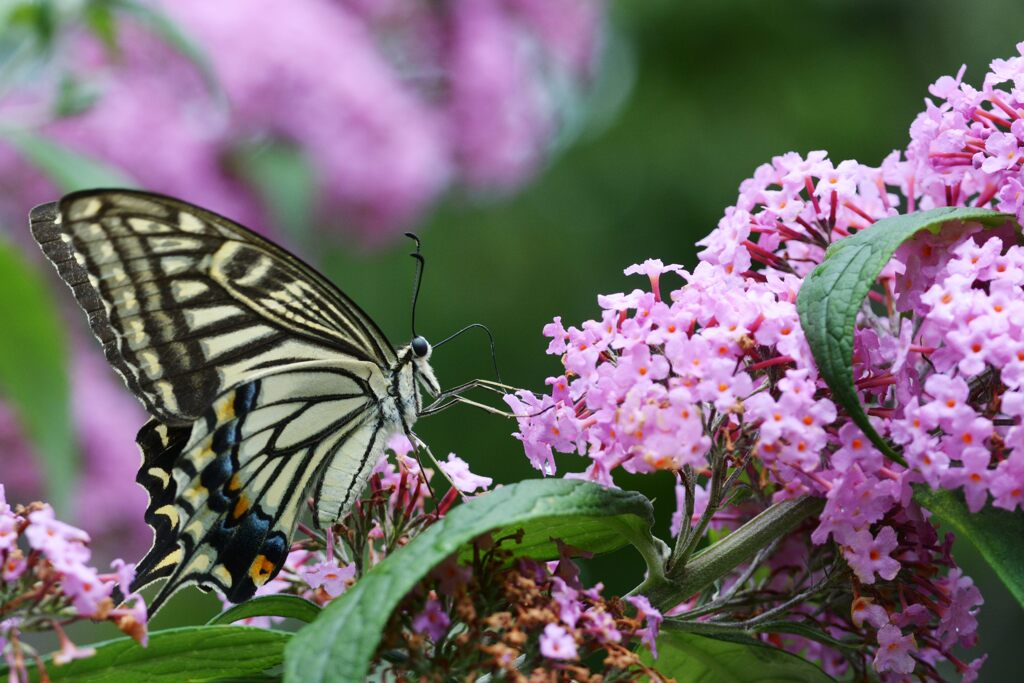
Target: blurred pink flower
pixel 108 504
pixel 391 102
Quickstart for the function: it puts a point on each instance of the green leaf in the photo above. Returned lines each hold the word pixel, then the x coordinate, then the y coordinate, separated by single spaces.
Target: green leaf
pixel 832 295
pixel 340 644
pixel 194 654
pixel 34 372
pixel 289 606
pixel 997 534
pixel 690 658
pixel 67 169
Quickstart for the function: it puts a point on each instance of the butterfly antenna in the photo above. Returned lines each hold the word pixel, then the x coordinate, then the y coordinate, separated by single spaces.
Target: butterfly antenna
pixel 490 337
pixel 420 262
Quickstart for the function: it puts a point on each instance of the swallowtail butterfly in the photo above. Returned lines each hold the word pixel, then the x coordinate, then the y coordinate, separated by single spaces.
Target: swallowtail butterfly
pixel 265 383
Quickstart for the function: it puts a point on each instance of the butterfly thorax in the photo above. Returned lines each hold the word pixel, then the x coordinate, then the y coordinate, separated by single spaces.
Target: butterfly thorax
pixel 412 372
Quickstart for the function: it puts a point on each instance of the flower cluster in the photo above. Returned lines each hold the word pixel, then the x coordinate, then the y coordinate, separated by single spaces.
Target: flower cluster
pixel 717 384
pixel 515 616
pixel 492 612
pixel 399 505
pixel 392 102
pixel 47 583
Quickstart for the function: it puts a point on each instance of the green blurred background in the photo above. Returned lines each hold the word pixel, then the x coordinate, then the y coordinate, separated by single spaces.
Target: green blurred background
pixel 717 88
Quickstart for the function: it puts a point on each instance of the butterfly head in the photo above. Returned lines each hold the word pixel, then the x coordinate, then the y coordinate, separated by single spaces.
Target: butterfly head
pixel 420 347
pixel 419 354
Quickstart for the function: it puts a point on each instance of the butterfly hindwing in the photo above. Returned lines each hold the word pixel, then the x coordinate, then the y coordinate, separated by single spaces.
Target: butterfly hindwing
pixel 226 493
pixel 187 303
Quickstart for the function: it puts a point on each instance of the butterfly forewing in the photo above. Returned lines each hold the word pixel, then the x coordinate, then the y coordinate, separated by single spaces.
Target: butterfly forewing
pixel 187 303
pixel 266 384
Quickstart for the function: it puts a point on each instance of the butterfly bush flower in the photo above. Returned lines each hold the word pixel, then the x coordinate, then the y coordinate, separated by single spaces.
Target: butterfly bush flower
pixel 392 104
pixel 715 383
pixel 399 504
pixel 46 582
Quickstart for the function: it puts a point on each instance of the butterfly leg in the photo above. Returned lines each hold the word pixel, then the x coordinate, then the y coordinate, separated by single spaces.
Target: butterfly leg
pixel 450 397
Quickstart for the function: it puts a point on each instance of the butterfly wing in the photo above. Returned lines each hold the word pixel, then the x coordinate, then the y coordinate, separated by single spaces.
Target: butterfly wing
pixel 265 382
pixel 227 491
pixel 187 303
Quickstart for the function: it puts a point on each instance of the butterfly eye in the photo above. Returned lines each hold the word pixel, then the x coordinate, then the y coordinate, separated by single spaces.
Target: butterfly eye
pixel 420 346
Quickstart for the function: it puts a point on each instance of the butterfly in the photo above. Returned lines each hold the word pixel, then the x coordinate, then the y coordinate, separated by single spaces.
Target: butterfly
pixel 264 382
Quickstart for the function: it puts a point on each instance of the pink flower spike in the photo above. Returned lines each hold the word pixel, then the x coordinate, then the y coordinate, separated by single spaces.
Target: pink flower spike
pixel 457 470
pixel 557 643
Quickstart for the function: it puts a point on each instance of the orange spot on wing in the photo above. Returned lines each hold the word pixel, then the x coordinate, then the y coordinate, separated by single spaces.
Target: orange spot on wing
pixel 261 569
pixel 241 507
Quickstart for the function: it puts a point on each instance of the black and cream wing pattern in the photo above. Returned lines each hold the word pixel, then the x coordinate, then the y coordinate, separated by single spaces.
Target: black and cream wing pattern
pixel 265 383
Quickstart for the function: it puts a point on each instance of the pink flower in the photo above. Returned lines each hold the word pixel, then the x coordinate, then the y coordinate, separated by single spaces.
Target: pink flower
pixel 1007 483
pixel 400 445
pixel 12 568
pixel 8 525
pixel 601 625
pixel 85 588
pixel 869 555
pixel 328 575
pixel 63 544
pixel 410 103
pixel 959 622
pixel 654 268
pixel 864 610
pixel 68 650
pixel 652 622
pixel 557 643
pixel 1002 152
pixel 457 470
pixel 567 599
pixel 894 651
pixel 433 621
pixel 974 476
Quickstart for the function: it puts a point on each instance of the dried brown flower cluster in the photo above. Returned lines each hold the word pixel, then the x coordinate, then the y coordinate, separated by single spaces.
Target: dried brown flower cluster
pixel 492 615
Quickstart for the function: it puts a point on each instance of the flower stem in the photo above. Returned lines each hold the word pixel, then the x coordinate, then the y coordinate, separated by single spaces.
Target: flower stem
pixel 714 562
